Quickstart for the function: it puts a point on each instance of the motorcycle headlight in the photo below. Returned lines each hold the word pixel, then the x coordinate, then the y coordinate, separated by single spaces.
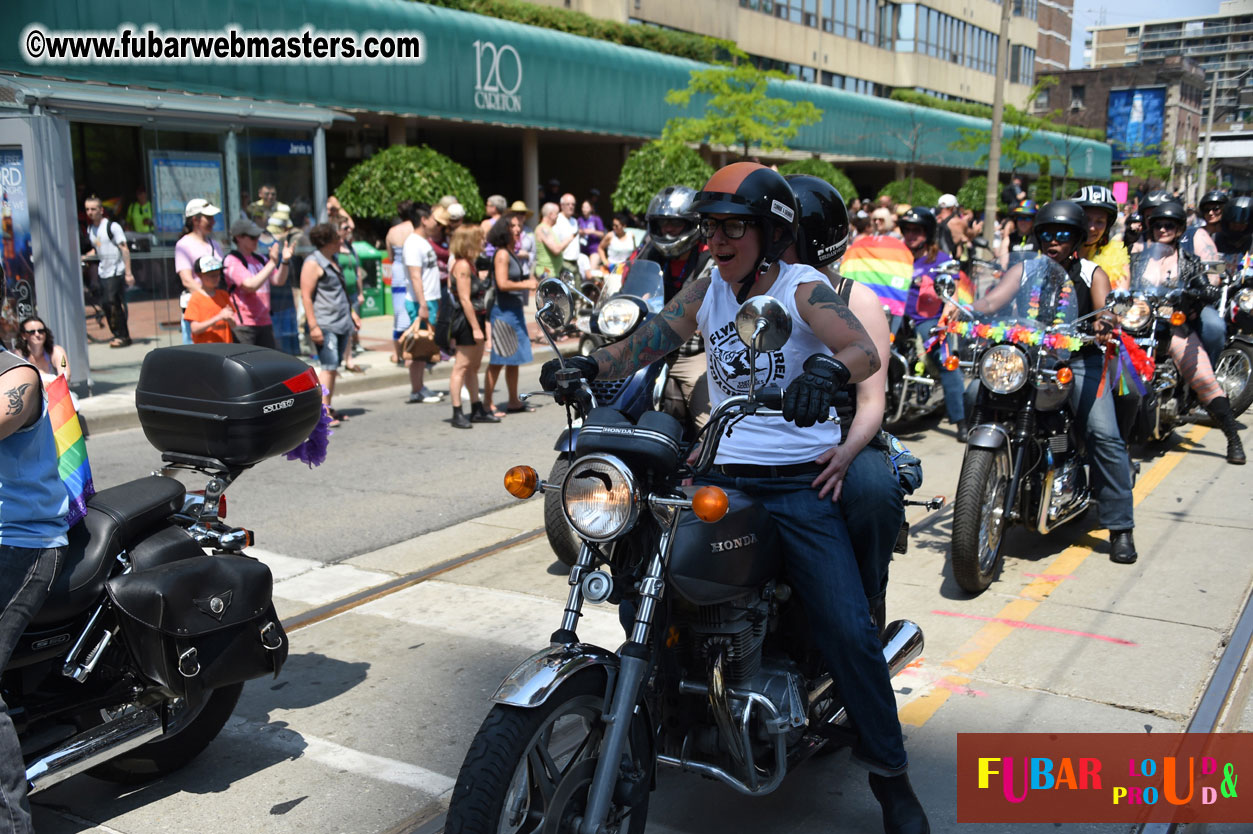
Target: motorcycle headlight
pixel 1003 369
pixel 1244 300
pixel 600 498
pixel 617 317
pixel 1139 314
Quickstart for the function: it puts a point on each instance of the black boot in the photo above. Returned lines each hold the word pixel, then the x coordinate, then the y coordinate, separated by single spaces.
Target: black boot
pixel 963 431
pixel 1220 409
pixel 902 812
pixel 1122 548
pixel 459 420
pixel 479 414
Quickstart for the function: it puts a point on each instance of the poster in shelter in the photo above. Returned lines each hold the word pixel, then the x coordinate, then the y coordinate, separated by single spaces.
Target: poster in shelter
pixel 180 176
pixel 16 262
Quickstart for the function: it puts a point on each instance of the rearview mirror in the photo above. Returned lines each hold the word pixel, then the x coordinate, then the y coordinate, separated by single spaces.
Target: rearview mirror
pixel 1119 301
pixel 763 324
pixel 555 303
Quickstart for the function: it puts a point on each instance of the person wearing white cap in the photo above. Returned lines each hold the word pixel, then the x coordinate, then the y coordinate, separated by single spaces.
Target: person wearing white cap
pixel 196 242
pixel 209 314
pixel 955 232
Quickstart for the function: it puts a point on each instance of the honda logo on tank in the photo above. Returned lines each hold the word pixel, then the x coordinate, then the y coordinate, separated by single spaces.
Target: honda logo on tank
pixel 497 77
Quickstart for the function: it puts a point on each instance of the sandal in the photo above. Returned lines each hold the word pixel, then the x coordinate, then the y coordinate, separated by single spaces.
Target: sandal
pixel 339 416
pixel 524 408
pixel 119 343
pixel 334 424
pixel 354 369
pixel 494 411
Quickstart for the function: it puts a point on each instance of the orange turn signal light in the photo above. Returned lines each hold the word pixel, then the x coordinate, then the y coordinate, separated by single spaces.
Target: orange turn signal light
pixel 891 338
pixel 952 363
pixel 1177 318
pixel 522 481
pixel 709 503
pixel 1065 375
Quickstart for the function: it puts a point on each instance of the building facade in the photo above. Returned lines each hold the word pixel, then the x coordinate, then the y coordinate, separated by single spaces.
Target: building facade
pixel 947 48
pixel 1056 20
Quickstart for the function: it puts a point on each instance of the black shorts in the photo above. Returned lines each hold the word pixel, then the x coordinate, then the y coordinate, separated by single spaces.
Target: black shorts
pixel 462 333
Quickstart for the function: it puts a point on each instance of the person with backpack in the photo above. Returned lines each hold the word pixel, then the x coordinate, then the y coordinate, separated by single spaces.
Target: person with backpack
pixel 108 243
pixel 330 317
pixel 248 278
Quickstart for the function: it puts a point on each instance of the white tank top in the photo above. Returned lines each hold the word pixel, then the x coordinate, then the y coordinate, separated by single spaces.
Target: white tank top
pixel 769 441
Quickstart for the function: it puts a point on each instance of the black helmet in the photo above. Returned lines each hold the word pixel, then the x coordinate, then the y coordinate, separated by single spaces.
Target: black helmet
pixel 1171 210
pixel 1239 210
pixel 674 202
pixel 1153 200
pixel 749 189
pixel 1065 213
pixel 1098 197
pixel 920 217
pixel 1216 196
pixel 1135 217
pixel 823 233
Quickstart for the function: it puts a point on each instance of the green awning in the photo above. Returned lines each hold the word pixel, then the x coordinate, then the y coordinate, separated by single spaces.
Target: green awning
pixel 476 69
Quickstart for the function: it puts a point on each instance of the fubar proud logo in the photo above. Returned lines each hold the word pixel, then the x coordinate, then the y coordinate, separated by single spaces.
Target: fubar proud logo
pixel 497 77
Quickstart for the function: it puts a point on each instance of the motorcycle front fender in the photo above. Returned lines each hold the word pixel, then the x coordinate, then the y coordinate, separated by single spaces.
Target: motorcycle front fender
pixel 988 436
pixel 537 677
pixel 565 439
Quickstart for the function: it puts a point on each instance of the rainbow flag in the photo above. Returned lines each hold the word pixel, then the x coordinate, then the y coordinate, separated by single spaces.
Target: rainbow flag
pixel 72 463
pixel 884 264
pixel 965 293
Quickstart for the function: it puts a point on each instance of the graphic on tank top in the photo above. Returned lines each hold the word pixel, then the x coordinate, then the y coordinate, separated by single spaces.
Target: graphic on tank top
pixel 728 363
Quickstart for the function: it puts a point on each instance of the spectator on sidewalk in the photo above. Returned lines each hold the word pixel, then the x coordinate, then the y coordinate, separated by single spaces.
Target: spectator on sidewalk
pixel 523 243
pixel 139 212
pixel 350 264
pixel 511 341
pixel 592 229
pixel 36 345
pixel 495 206
pixel 422 301
pixel 548 242
pixel 209 313
pixel 330 318
pixel 618 244
pixel 108 243
pixel 248 280
pixel 467 332
pixel 567 229
pixel 260 209
pixel 196 242
pixel 395 243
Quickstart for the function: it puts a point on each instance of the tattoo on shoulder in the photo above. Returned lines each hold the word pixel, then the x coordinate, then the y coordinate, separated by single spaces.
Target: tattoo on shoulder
pixel 825 297
pixel 16 401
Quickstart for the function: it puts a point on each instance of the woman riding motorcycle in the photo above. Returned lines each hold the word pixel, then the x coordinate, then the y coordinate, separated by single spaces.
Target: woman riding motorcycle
pixel 1060 228
pixel 1133 230
pixel 918 228
pixel 748 216
pixel 866 483
pixel 1098 204
pixel 1166 226
pixel 1016 232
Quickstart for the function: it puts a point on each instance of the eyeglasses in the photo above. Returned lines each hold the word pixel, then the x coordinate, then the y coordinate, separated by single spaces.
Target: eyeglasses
pixel 1056 235
pixel 733 228
pixel 38 331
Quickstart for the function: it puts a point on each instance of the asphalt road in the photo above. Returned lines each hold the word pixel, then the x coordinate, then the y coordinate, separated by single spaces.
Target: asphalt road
pixel 366 728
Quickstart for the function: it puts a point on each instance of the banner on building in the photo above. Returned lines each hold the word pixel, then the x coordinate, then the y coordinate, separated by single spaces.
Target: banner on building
pixel 180 176
pixel 1134 121
pixel 19 273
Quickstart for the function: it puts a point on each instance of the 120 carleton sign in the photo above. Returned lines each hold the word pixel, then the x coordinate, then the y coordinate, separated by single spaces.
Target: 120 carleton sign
pixel 497 77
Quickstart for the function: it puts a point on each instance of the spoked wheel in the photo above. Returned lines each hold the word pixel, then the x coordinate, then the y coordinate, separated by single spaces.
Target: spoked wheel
pixel 528 771
pixel 979 518
pixel 1234 372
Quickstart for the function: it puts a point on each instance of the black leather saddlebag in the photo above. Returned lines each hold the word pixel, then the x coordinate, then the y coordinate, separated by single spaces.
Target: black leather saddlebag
pixel 199 624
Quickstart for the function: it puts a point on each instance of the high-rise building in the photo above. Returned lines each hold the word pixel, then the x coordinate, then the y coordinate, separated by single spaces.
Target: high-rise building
pixel 1056 20
pixel 1221 43
pixel 946 48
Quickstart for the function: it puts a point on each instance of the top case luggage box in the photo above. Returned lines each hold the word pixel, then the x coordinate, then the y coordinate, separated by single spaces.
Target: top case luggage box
pixel 238 404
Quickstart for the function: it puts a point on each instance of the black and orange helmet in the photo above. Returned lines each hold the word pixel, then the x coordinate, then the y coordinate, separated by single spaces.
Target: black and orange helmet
pixel 748 189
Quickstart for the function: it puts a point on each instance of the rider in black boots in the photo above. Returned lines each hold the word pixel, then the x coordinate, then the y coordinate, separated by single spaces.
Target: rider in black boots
pixel 1220 409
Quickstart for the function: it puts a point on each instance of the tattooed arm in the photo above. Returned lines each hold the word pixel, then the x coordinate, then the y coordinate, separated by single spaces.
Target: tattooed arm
pixel 21 399
pixel 837 327
pixel 662 334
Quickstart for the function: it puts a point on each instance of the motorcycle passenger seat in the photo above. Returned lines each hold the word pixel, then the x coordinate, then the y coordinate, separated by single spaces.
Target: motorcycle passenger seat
pixel 116 519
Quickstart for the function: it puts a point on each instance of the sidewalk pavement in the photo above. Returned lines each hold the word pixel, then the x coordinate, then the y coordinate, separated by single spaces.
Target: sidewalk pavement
pixel 115 371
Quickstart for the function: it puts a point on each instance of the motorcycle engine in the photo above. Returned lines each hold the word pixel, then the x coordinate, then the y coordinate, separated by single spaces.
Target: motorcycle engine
pixel 736 629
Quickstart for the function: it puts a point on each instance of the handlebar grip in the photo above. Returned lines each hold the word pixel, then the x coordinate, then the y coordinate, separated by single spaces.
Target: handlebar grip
pixel 770 396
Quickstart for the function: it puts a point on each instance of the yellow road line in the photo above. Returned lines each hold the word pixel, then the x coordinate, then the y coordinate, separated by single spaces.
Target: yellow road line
pixel 971 654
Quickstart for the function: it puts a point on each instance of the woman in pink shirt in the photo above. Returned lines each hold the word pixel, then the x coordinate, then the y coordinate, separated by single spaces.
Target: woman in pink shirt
pixel 248 279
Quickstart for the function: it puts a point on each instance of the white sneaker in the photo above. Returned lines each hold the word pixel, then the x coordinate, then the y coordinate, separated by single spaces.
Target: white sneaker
pixel 465 394
pixel 429 396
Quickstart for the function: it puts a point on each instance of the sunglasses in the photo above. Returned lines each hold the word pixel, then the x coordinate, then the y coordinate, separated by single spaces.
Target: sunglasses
pixel 1166 225
pixel 1056 235
pixel 733 228
pixel 1211 209
pixel 38 331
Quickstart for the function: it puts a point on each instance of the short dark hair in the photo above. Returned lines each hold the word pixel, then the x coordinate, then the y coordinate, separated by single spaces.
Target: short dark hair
pixel 322 234
pixel 417 211
pixel 300 209
pixel 403 208
pixel 500 235
pixel 623 218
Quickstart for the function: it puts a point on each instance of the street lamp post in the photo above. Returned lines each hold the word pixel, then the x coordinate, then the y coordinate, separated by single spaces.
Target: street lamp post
pixel 1203 186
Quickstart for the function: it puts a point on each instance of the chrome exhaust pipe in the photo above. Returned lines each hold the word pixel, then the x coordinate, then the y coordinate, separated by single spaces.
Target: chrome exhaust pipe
pixel 902 645
pixel 95 746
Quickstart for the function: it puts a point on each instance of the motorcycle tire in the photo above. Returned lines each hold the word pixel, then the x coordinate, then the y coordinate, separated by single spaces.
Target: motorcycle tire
pixel 188 735
pixel 978 529
pixel 497 786
pixel 1235 374
pixel 561 536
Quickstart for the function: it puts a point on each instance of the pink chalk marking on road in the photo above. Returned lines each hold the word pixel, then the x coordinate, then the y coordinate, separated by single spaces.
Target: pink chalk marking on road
pixel 959 689
pixel 1035 627
pixel 1050 577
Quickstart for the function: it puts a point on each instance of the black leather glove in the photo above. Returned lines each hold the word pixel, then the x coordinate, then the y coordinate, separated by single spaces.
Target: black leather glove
pixel 1203 291
pixel 808 399
pixel 585 365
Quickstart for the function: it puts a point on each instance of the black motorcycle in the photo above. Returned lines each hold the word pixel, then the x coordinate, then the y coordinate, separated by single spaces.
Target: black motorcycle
pixel 157 617
pixel 719 675
pixel 1024 461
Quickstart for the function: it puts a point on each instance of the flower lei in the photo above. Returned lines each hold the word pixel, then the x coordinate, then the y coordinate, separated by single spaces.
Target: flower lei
pixel 1016 334
pixel 1033 305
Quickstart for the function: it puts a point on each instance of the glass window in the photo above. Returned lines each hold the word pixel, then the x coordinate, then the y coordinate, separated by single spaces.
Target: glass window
pixel 811 13
pixel 838 18
pixel 828 11
pixel 808 74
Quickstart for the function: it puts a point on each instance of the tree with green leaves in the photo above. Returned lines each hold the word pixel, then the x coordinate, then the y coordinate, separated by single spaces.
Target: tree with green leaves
pixel 914 192
pixel 404 172
pixel 653 167
pixel 1015 134
pixel 738 113
pixel 1147 170
pixel 824 171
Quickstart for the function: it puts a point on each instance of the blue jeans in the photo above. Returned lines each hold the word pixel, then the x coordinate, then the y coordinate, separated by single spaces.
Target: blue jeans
pixel 26 574
pixel 1213 332
pixel 873 509
pixel 334 345
pixel 953 382
pixel 1108 461
pixel 822 570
